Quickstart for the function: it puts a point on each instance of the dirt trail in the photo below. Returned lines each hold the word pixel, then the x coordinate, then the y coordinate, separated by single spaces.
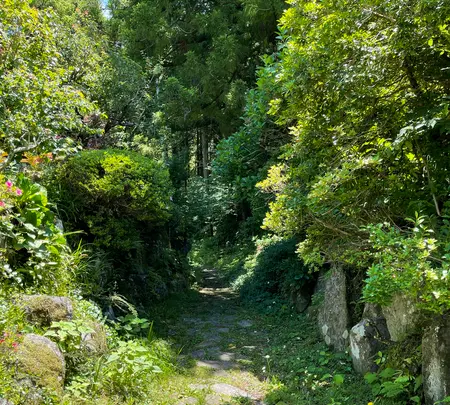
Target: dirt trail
pixel 223 338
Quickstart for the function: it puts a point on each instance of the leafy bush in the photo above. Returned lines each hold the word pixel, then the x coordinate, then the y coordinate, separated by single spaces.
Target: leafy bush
pixel 275 270
pixel 408 263
pixel 121 202
pixel 114 196
pixel 34 252
pixel 126 372
pixel 401 382
pixel 41 103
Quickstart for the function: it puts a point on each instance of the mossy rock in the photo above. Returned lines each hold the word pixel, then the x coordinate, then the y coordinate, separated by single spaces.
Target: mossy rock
pixel 40 359
pixel 42 310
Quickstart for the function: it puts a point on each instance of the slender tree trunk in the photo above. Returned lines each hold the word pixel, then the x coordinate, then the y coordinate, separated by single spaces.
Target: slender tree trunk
pixel 198 150
pixel 205 155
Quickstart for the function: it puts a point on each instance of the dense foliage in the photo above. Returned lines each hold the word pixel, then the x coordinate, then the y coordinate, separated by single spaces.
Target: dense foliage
pixel 51 58
pixel 34 250
pixel 276 138
pixel 42 103
pixel 364 89
pixel 120 200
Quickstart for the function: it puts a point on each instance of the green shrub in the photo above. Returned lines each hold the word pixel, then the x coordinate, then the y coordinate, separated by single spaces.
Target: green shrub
pixel 114 196
pixel 412 263
pixel 275 270
pixel 34 252
pixel 120 201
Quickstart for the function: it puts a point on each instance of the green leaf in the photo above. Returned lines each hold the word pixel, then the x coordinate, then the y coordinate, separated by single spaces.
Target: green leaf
pixel 338 379
pixel 418 382
pixel 371 378
pixel 387 373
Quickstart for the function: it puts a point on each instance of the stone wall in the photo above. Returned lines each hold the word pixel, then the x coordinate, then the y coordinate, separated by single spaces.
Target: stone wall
pixel 436 360
pixel 381 327
pixel 333 319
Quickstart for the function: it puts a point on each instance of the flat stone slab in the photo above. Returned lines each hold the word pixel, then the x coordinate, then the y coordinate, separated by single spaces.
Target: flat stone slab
pixel 216 365
pixel 192 320
pixel 213 399
pixel 230 390
pixel 198 354
pixel 227 356
pixel 245 324
pixel 209 341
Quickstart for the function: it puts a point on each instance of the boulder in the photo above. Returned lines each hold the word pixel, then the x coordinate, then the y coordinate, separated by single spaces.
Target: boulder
pixel 45 309
pixel 333 315
pixel 5 402
pixel 402 317
pixel 367 338
pixel 40 359
pixel 436 361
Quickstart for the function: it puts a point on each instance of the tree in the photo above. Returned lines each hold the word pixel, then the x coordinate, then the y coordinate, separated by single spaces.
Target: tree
pixel 364 87
pixel 199 60
pixel 41 105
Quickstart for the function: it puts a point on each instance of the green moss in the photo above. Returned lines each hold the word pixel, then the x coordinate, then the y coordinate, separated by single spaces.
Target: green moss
pixel 43 309
pixel 39 361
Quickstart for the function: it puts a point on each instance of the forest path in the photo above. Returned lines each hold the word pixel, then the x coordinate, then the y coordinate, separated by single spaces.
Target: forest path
pixel 220 339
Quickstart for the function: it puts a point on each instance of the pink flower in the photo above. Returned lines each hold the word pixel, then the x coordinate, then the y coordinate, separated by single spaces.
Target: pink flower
pixel 2 204
pixel 9 184
pixel 19 191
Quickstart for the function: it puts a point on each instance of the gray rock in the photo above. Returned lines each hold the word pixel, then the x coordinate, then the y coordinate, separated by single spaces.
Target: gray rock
pixel 5 402
pixel 230 390
pixel 59 224
pixel 372 311
pixel 245 324
pixel 436 361
pixel 198 354
pixel 45 309
pixel 216 364
pixel 213 399
pixel 333 315
pixel 226 356
pixel 402 317
pixel 33 394
pixel 367 338
pixel 41 359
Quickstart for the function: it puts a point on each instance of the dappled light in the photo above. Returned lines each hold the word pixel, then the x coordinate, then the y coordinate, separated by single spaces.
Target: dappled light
pixel 224 202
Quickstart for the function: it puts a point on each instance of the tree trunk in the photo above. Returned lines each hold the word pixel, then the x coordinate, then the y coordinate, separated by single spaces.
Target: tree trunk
pixel 205 155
